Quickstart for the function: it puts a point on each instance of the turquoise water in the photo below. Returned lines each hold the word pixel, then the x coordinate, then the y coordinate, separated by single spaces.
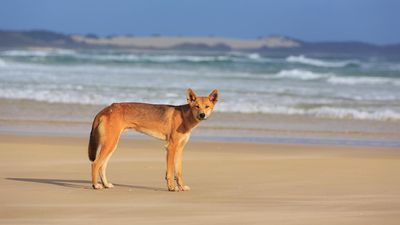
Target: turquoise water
pixel 324 86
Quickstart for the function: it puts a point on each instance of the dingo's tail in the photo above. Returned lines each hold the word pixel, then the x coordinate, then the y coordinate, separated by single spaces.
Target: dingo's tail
pixel 94 139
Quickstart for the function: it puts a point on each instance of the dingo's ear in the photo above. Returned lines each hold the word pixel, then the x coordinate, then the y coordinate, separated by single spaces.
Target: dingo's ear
pixel 213 96
pixel 190 95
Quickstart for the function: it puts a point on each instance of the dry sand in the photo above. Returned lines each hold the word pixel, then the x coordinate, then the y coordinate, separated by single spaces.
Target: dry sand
pixel 45 180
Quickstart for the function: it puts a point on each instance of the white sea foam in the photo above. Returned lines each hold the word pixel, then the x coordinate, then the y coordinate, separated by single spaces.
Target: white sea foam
pixel 189 58
pixel 236 54
pixel 326 112
pixel 254 56
pixel 301 74
pixel 37 53
pixel 152 58
pixel 24 53
pixel 2 63
pixel 335 79
pixel 355 113
pixel 242 56
pixel 317 62
pixel 362 80
pixel 135 57
pixel 89 95
pixel 246 88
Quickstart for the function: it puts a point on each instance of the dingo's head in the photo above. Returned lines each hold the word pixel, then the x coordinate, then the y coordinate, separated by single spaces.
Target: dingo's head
pixel 202 106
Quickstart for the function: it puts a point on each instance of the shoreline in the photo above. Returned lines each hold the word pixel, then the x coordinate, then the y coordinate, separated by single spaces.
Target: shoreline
pixel 26 117
pixel 275 129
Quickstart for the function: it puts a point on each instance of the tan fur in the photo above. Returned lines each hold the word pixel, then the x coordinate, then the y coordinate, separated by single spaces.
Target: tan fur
pixel 170 123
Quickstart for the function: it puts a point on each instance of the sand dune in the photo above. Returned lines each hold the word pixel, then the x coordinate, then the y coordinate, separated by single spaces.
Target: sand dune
pixel 170 42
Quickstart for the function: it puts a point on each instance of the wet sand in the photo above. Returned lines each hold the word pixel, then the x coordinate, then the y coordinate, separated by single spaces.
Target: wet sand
pixel 33 118
pixel 46 180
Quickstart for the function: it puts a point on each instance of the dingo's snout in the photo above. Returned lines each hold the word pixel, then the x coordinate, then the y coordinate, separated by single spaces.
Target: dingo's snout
pixel 202 116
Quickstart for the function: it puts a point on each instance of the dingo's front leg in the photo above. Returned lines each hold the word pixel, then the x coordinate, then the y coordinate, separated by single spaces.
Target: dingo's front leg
pixel 178 171
pixel 170 167
pixel 178 168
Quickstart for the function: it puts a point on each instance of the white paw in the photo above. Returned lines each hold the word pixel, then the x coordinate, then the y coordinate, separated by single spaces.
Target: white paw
pixel 109 185
pixel 182 188
pixel 97 186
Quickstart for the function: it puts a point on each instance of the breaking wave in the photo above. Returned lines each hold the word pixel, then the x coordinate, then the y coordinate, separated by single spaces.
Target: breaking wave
pixel 335 79
pixel 301 74
pixel 249 82
pixel 324 111
pixel 37 53
pixel 319 63
pixel 353 80
pixel 62 55
pixel 79 95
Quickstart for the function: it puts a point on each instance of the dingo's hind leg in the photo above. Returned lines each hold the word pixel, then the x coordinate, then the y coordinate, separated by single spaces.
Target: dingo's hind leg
pixel 103 169
pixel 99 166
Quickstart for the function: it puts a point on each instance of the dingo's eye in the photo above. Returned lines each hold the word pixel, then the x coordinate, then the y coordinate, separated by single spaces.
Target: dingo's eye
pixel 207 106
pixel 197 106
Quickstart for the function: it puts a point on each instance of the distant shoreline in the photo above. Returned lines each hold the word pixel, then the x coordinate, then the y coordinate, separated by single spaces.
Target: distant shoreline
pixel 271 44
pixel 179 42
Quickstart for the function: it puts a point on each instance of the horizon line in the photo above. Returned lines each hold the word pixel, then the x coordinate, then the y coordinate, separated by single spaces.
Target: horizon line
pixel 159 35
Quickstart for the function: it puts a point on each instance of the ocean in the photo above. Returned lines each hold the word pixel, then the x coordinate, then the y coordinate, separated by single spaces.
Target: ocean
pixel 328 86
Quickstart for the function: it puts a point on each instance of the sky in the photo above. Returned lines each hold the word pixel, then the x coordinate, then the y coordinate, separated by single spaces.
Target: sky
pixel 374 21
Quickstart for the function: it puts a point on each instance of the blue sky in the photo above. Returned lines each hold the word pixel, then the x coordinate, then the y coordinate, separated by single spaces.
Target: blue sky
pixel 375 21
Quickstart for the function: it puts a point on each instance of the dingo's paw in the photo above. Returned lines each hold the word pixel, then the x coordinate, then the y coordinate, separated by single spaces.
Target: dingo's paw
pixel 109 185
pixel 184 188
pixel 97 186
pixel 173 188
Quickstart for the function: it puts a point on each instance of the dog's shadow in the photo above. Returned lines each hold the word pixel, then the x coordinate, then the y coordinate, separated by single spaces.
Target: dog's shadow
pixel 80 184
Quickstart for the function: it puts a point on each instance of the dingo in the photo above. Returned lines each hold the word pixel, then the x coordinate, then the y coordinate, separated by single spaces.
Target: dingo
pixel 170 123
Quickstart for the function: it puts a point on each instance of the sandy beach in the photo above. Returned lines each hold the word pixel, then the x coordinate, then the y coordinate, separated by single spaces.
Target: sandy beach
pixel 45 180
